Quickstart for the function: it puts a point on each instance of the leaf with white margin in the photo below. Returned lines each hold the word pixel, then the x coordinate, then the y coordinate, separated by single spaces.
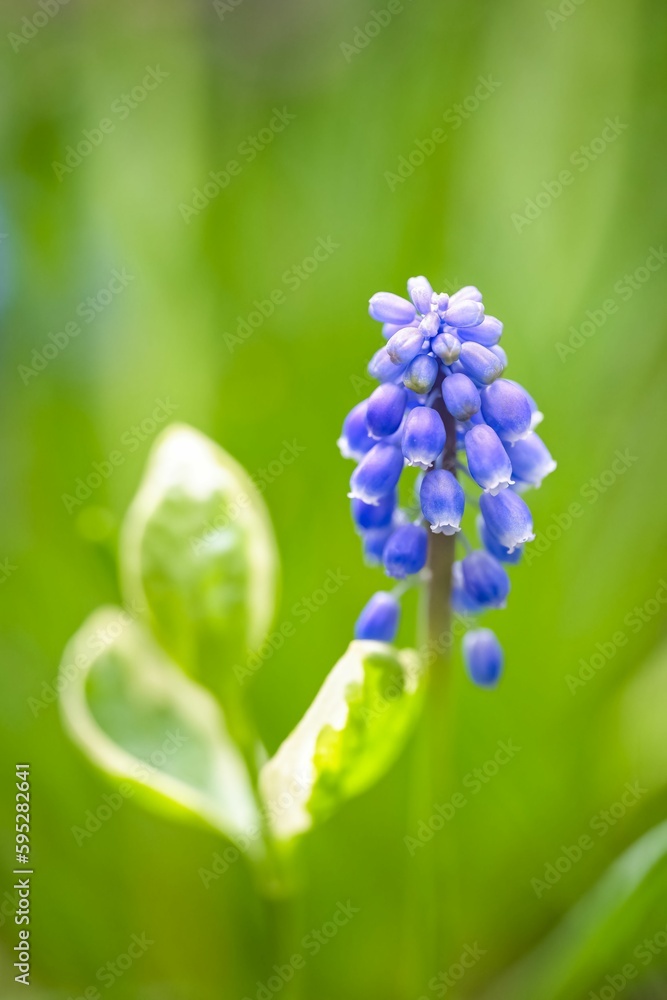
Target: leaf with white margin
pixel 140 719
pixel 198 551
pixel 348 738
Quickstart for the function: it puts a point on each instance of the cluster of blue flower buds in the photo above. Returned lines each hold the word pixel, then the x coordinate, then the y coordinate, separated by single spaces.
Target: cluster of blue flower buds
pixel 443 406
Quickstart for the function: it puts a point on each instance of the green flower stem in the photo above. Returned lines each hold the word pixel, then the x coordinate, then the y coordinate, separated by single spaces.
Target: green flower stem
pixel 425 872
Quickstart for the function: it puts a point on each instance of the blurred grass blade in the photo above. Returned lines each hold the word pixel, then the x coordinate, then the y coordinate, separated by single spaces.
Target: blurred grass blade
pixel 603 933
pixel 347 739
pixel 140 720
pixel 198 551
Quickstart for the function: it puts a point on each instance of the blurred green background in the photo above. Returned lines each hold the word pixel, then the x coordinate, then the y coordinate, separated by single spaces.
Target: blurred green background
pixel 360 100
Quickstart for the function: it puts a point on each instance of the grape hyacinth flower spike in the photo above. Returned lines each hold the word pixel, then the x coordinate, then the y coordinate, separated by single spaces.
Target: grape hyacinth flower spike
pixel 444 406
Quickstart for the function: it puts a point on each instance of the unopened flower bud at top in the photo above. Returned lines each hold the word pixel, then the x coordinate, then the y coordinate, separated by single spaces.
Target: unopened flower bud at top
pixel 421 373
pixel 382 368
pixel 464 313
pixel 405 344
pixel 389 308
pixel 479 363
pixel 467 292
pixel 447 347
pixel 421 293
pixel 487 333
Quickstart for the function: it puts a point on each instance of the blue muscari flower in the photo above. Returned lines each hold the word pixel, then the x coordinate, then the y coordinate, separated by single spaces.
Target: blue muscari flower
pixel 421 293
pixel 423 437
pixel 421 373
pixel 508 518
pixel 389 329
pixel 464 313
pixel 462 602
pixel 536 415
pixel 368 515
pixel 479 362
pixel 442 501
pixel 487 333
pixel 405 552
pixel 488 462
pixel 505 407
pixel 485 580
pixel 384 413
pixel 531 460
pixel 483 657
pixel 355 440
pixel 461 396
pixel 501 355
pixel 447 347
pixel 405 345
pixel 377 474
pixel 440 344
pixel 382 368
pixel 379 619
pixel 389 308
pixel 467 292
pixel 430 325
pixel 492 545
pixel 373 542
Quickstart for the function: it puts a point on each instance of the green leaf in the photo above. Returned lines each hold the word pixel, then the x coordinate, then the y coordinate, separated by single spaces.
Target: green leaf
pixel 198 553
pixel 347 739
pixel 602 933
pixel 140 719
